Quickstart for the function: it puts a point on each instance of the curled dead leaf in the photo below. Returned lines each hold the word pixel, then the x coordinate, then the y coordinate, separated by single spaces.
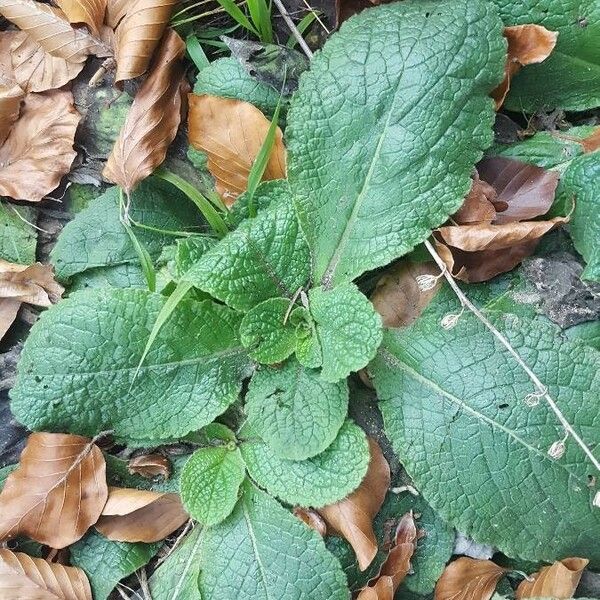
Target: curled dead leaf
pixel 231 133
pixel 138 34
pixel 115 11
pixel 150 465
pixel 468 579
pixel 132 515
pixel 558 580
pixel 353 516
pixel 39 148
pixel 27 578
pixel 87 12
pixel 478 206
pixel 153 119
pixel 57 492
pixel 527 45
pixel 11 95
pixel 311 518
pixel 404 291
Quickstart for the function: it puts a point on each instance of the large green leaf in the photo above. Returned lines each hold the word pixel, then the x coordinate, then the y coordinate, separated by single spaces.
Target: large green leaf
pixel 119 276
pixel 78 368
pixel 97 238
pixel 455 407
pixel 262 552
pixel 570 77
pixel 17 234
pixel 263 258
pixel 317 481
pixel 295 411
pixel 386 126
pixel 106 562
pixel 210 483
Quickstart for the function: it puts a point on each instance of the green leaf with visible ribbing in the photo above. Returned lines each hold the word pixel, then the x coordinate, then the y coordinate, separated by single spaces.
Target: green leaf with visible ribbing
pixel 570 77
pixel 265 257
pixel 263 331
pixel 317 481
pixel 127 275
pixel 263 552
pixel 348 329
pixel 76 371
pixel 454 408
pixel 106 562
pixel 296 412
pixel 190 250
pixel 97 238
pixel 381 147
pixel 18 237
pixel 210 482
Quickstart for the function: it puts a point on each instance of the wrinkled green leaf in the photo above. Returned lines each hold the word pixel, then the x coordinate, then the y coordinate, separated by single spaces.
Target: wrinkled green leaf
pixel 127 275
pixel 294 411
pixel 77 368
pixel 18 237
pixel 190 250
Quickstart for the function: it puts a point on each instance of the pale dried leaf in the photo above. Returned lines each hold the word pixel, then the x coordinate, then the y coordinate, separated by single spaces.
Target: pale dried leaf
pixel 558 580
pixel 57 492
pixel 33 284
pixel 50 28
pixel 138 35
pixel 150 465
pixel 403 292
pixel 39 148
pixel 7 76
pixel 8 314
pixel 25 578
pixel 311 518
pixel 115 11
pixel 468 579
pixel 353 516
pixel 37 71
pixel 152 120
pixel 231 133
pixel 10 104
pixel 132 515
pixel 88 12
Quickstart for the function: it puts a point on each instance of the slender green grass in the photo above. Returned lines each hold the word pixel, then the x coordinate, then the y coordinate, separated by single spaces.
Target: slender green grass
pixel 196 53
pixel 260 13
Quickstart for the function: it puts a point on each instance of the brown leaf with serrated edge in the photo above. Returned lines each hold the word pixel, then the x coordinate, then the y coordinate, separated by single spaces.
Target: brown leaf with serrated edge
pixel 468 579
pixel 57 492
pixel 51 29
pixel 478 206
pixel 527 45
pixel 149 465
pixel 138 35
pixel 311 518
pixel 87 12
pixel 37 71
pixel 352 517
pixel 399 298
pixel 25 578
pixel 231 133
pixel 39 148
pixel 132 515
pixel 558 580
pixel 397 564
pixel 152 120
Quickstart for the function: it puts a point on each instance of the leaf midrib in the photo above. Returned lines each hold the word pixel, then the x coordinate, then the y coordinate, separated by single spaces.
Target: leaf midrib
pixel 252 537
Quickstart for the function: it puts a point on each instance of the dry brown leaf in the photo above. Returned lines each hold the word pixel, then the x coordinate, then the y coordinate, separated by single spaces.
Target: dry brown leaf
pixel 397 564
pixel 57 492
pixel 39 148
pixel 10 104
pixel 115 11
pixel 353 516
pixel 149 466
pixel 138 35
pixel 37 71
pixel 231 133
pixel 558 580
pixel 6 73
pixel 478 206
pixel 88 12
pixel 311 518
pixel 50 28
pixel 398 298
pixel 592 142
pixel 132 515
pixel 152 120
pixel 527 45
pixel 468 579
pixel 25 578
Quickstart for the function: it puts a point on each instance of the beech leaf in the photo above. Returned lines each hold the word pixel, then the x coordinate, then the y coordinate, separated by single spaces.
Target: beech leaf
pixel 478 206
pixel 132 515
pixel 27 578
pixel 150 465
pixel 11 95
pixel 558 580
pixel 57 492
pixel 39 148
pixel 138 34
pixel 115 11
pixel 468 579
pixel 231 132
pixel 311 518
pixel 353 516
pixel 152 120
pixel 89 12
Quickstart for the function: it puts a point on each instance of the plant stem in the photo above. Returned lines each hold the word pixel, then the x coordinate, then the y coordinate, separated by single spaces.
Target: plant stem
pixel 542 390
pixel 288 21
